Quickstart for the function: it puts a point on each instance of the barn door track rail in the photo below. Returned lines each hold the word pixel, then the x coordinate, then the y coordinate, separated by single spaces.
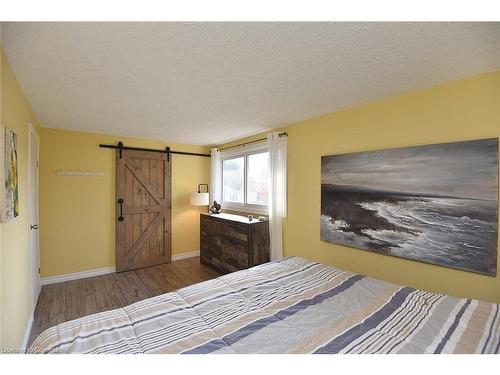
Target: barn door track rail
pixel 120 147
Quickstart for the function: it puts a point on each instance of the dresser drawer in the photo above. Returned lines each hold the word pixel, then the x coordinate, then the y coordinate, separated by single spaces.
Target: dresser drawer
pixel 235 252
pixel 211 254
pixel 230 265
pixel 234 231
pixel 210 226
pixel 211 241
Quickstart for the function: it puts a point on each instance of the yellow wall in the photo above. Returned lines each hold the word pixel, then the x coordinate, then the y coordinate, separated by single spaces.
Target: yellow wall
pixel 460 110
pixel 77 214
pixel 16 305
pixel 1 247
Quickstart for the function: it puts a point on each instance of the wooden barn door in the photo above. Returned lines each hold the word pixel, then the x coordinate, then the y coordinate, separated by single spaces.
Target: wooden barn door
pixel 143 215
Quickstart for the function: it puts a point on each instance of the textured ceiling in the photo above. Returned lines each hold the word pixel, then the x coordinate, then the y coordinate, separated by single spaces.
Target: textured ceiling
pixel 206 83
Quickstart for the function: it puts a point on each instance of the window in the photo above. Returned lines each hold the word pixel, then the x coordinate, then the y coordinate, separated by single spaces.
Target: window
pixel 233 180
pixel 258 168
pixel 245 180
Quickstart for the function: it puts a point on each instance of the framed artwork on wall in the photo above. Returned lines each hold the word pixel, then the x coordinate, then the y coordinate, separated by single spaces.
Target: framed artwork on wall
pixel 9 182
pixel 434 203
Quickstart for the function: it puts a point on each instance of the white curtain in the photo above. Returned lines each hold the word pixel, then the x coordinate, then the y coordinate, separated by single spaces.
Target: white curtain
pixel 277 191
pixel 216 177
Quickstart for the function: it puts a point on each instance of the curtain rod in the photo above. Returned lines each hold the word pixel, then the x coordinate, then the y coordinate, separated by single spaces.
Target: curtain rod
pixel 284 134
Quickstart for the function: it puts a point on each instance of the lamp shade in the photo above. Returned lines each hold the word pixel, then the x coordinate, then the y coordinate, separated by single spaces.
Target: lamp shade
pixel 199 199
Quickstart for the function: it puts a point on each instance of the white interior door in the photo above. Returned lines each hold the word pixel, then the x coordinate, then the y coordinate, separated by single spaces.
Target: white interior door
pixel 34 145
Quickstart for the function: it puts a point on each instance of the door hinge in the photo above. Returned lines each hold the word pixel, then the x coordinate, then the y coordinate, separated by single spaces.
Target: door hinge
pixel 38 269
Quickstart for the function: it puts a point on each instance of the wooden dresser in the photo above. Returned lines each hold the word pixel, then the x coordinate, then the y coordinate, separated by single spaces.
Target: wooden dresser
pixel 230 243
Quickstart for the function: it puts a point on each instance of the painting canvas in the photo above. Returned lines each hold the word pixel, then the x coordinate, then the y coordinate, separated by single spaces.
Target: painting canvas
pixel 434 203
pixel 9 189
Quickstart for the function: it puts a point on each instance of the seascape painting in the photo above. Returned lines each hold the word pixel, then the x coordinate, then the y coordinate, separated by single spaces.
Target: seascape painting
pixel 9 189
pixel 434 203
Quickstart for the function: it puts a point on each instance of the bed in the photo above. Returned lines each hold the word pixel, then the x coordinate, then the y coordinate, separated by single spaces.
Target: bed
pixel 287 306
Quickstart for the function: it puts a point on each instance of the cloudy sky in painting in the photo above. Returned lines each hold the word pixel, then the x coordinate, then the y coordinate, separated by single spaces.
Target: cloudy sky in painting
pixel 462 169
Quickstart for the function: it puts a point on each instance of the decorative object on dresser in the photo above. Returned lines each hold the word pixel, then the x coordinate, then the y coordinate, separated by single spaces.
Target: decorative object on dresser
pixel 215 208
pixel 230 243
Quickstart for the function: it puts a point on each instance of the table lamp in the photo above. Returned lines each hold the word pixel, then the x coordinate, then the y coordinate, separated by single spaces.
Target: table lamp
pixel 200 198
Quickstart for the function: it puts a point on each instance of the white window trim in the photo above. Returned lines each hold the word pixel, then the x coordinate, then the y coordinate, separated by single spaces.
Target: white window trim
pixel 243 151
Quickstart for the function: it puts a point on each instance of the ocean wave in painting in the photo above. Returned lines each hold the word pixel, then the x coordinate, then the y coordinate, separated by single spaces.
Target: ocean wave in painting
pixel 454 232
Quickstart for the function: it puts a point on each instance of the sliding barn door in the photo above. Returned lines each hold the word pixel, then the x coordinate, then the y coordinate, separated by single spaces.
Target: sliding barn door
pixel 143 215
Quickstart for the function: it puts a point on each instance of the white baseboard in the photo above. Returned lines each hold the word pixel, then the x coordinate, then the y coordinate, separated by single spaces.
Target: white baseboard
pixel 191 254
pixel 77 275
pixel 102 271
pixel 27 333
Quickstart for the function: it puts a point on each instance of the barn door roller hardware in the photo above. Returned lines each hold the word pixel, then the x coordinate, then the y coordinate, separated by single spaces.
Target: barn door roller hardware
pixel 120 147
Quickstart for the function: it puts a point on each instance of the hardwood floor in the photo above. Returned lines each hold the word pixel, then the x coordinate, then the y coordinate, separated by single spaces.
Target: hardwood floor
pixel 69 300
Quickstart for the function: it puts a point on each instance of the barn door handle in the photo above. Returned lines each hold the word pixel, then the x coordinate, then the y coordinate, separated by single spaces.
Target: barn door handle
pixel 120 202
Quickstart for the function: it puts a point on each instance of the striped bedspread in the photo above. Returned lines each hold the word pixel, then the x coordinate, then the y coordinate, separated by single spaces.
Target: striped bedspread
pixel 288 306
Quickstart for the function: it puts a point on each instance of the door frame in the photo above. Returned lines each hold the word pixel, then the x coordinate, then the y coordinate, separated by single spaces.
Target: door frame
pixel 35 282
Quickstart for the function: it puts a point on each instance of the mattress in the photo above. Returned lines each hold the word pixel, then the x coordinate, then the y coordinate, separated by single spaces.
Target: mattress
pixel 288 306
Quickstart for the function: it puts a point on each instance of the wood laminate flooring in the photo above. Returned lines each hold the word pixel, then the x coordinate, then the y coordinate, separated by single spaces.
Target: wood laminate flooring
pixel 69 300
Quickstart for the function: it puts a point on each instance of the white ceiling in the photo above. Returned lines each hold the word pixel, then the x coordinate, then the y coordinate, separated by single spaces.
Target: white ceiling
pixel 206 83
